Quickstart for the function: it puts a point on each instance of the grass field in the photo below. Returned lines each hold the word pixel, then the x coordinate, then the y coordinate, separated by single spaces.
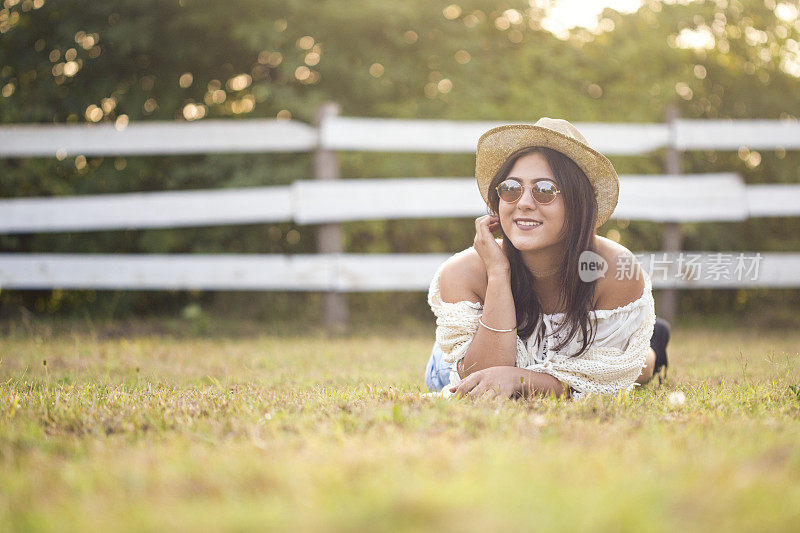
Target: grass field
pixel 131 427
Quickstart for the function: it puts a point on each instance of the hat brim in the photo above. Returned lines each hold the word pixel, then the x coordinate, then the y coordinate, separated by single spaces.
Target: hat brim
pixel 498 143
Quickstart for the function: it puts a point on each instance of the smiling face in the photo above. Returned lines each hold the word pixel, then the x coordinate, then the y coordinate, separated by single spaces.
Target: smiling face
pixel 518 219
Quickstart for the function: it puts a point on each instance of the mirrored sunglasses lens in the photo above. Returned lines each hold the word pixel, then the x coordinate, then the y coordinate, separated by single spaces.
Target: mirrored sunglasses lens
pixel 544 191
pixel 509 191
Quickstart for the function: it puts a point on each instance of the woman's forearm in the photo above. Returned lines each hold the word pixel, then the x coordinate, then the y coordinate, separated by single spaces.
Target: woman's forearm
pixel 538 383
pixel 491 348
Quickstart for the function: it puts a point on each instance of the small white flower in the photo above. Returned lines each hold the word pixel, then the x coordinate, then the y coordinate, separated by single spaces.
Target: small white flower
pixel 676 398
pixel 539 421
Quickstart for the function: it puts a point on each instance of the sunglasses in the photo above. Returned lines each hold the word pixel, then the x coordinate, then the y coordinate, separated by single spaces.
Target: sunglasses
pixel 543 191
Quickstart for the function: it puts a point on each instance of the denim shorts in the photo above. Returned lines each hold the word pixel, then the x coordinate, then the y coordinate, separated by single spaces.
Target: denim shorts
pixel 437 373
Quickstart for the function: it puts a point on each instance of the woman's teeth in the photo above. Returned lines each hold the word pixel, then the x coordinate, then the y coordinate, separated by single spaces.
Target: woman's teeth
pixel 528 223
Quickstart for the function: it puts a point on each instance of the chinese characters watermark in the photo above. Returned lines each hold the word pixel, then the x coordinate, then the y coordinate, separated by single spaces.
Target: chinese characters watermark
pixel 688 266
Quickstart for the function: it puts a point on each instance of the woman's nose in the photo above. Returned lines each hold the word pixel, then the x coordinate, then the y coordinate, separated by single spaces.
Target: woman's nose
pixel 527 200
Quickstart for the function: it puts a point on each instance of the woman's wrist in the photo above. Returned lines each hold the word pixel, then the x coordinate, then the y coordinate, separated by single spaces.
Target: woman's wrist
pixel 499 272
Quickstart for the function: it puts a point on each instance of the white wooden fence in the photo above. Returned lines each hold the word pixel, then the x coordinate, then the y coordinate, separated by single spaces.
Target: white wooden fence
pixel 714 197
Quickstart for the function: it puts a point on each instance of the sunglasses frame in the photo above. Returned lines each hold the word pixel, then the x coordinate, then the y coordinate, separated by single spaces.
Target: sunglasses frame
pixel 524 189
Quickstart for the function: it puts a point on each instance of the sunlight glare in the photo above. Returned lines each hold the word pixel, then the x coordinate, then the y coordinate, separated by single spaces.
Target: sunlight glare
pixel 568 14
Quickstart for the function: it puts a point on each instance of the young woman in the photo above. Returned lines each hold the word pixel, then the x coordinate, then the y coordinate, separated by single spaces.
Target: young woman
pixel 551 307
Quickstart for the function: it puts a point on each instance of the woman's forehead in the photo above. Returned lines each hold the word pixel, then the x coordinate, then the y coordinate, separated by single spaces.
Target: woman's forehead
pixel 531 166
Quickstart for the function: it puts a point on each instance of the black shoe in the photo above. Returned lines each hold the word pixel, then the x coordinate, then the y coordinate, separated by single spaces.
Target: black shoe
pixel 658 342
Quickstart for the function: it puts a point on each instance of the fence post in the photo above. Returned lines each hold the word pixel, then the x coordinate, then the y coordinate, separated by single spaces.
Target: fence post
pixel 329 236
pixel 671 238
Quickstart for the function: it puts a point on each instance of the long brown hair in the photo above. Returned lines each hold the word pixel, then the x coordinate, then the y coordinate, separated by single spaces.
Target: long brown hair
pixel 575 295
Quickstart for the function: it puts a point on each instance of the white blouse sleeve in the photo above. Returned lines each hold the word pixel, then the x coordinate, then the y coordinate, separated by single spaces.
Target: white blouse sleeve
pixel 616 357
pixel 456 323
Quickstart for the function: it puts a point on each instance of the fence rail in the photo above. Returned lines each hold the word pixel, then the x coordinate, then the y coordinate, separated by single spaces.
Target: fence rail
pixel 733 134
pixel 714 197
pixel 157 138
pixel 351 272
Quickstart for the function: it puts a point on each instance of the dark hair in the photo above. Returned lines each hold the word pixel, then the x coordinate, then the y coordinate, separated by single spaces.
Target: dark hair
pixel 575 295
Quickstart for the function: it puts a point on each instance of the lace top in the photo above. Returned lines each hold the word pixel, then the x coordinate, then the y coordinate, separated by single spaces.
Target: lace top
pixel 611 363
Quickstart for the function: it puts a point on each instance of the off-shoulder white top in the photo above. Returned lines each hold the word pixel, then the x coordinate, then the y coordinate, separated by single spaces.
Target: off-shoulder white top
pixel 611 363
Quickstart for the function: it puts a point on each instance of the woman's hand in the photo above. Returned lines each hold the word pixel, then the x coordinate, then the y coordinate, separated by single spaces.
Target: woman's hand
pixel 496 381
pixel 492 254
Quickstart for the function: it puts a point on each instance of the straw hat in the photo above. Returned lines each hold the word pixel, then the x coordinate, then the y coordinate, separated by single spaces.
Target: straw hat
pixel 498 143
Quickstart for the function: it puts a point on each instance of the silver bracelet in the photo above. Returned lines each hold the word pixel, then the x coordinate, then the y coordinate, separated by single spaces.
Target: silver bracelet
pixel 497 330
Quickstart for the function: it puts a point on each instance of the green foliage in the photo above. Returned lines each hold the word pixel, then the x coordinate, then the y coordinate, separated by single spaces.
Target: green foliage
pixel 80 61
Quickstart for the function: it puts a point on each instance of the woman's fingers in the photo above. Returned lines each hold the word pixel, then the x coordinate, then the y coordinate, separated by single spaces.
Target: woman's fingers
pixel 486 225
pixel 485 220
pixel 480 223
pixel 463 387
pixel 481 385
pixel 478 391
pixel 492 393
pixel 485 244
pixel 485 390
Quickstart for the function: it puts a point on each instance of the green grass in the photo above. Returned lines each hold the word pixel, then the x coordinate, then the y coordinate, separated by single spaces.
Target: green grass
pixel 147 426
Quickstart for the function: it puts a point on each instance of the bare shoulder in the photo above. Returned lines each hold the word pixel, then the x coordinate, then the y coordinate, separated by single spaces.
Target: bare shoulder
pixel 617 288
pixel 463 277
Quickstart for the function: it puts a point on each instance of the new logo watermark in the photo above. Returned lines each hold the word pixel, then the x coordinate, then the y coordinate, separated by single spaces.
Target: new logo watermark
pixel 591 266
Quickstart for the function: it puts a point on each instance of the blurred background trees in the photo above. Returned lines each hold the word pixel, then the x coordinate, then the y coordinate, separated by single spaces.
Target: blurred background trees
pixel 76 61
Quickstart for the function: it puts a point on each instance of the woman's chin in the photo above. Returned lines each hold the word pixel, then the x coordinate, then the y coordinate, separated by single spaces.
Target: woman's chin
pixel 527 243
